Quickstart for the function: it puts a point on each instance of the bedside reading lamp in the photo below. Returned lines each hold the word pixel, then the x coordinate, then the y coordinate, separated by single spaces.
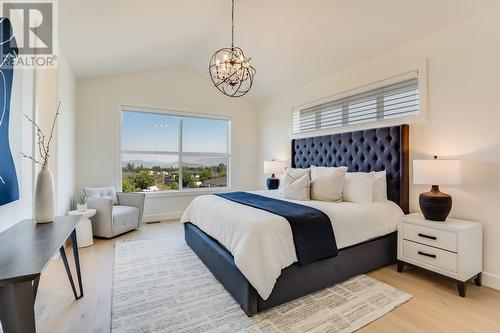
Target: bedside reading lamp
pixel 272 167
pixel 436 205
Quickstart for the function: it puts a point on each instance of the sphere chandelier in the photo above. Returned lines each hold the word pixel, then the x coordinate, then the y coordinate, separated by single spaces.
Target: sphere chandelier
pixel 230 70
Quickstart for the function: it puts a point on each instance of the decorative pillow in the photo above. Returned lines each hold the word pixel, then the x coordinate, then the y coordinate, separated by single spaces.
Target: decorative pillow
pixel 297 173
pixel 358 187
pixel 327 183
pixel 294 173
pixel 379 185
pixel 296 188
pixel 101 192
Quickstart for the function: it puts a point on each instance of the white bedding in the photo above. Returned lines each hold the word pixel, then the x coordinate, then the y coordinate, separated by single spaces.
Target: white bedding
pixel 262 243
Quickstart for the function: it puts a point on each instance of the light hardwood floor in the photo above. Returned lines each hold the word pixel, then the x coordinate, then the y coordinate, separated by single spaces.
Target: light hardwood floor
pixel 434 308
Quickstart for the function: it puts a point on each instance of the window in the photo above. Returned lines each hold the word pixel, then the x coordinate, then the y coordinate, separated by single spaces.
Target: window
pixel 390 101
pixel 165 152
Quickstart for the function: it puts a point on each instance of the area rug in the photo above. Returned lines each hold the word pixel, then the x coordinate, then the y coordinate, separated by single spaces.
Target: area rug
pixel 160 285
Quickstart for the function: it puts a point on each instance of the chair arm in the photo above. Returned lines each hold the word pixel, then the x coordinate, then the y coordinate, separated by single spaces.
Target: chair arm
pixel 134 200
pixel 102 220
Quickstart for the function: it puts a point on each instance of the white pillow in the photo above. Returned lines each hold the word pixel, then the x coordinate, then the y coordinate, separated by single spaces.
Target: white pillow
pixel 358 187
pixel 297 173
pixel 101 192
pixel 379 185
pixel 327 183
pixel 294 173
pixel 296 188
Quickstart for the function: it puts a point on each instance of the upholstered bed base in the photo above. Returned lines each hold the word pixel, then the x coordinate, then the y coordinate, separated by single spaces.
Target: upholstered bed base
pixel 295 281
pixel 367 150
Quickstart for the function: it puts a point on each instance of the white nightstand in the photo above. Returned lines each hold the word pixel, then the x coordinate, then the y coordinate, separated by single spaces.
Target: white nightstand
pixel 453 249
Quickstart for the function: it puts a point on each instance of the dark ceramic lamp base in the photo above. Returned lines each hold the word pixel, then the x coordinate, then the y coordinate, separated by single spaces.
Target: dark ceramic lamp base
pixel 435 205
pixel 272 183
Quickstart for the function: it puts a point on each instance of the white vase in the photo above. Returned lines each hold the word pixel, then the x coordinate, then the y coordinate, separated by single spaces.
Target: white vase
pixel 44 196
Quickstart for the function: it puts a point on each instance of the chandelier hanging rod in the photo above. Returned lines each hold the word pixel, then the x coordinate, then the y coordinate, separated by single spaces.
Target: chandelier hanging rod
pixel 232 24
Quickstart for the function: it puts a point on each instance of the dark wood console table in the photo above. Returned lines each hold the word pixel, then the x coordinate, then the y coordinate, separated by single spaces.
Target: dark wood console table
pixel 25 250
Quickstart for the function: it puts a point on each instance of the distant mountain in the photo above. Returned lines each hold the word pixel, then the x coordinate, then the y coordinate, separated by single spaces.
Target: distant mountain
pixel 210 161
pixel 149 164
pixel 207 161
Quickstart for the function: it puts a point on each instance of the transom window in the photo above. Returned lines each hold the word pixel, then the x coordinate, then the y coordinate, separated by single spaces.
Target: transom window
pixel 167 151
pixel 396 100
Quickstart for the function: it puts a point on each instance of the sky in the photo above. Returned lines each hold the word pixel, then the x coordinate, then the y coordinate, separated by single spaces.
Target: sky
pixel 160 132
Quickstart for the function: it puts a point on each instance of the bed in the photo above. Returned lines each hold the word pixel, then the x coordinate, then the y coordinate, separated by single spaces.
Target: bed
pixel 364 151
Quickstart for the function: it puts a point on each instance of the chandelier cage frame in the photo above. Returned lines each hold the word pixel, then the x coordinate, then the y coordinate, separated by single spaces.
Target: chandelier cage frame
pixel 229 69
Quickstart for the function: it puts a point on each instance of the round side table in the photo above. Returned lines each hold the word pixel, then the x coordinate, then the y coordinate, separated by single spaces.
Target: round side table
pixel 84 227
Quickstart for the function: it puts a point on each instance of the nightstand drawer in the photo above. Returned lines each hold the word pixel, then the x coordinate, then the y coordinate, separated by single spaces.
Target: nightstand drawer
pixel 438 238
pixel 430 255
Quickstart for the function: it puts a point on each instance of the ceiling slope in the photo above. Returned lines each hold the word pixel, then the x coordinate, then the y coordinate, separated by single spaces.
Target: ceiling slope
pixel 291 42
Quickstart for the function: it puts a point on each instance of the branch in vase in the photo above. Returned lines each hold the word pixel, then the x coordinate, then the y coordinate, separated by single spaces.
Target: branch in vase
pixel 52 129
pixel 33 122
pixel 40 136
pixel 31 158
pixel 43 147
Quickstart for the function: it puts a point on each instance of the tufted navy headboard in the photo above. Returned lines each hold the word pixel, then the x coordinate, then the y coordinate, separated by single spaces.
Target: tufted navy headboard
pixel 368 150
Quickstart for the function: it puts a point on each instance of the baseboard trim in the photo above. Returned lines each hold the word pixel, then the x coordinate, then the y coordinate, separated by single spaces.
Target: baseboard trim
pixel 161 217
pixel 491 280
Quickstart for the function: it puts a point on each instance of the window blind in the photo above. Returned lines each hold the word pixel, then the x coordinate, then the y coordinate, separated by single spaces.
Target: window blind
pixel 395 100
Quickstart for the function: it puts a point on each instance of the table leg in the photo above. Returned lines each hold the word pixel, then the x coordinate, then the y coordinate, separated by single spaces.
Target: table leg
pixel 35 285
pixel 68 270
pixel 17 302
pixel 74 244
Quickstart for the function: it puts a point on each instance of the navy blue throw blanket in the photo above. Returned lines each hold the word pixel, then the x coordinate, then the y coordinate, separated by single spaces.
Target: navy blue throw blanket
pixel 311 228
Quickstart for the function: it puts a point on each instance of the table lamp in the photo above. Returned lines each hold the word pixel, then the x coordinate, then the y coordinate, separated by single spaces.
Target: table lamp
pixel 436 205
pixel 273 167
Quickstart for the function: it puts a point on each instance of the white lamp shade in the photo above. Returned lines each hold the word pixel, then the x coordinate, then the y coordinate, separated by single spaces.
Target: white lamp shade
pixel 273 167
pixel 437 172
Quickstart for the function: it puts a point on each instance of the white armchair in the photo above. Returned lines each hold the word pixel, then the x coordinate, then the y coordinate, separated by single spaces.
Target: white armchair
pixel 117 212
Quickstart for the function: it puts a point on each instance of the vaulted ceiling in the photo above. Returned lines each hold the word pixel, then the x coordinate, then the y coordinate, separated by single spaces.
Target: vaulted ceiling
pixel 291 42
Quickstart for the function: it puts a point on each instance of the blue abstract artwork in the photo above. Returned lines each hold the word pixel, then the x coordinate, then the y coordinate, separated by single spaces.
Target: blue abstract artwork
pixel 9 186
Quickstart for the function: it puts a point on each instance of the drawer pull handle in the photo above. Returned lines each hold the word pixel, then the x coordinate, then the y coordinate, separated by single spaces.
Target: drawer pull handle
pixel 427 236
pixel 427 254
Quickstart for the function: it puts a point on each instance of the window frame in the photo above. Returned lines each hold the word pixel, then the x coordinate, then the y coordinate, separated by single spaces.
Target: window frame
pixel 181 114
pixel 420 73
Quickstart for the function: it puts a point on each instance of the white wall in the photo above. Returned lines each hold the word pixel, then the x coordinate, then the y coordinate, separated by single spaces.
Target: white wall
pixel 66 137
pixel 45 107
pixel 98 104
pixel 463 116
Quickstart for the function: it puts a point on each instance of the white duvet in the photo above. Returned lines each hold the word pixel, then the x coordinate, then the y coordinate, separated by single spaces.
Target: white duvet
pixel 262 243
